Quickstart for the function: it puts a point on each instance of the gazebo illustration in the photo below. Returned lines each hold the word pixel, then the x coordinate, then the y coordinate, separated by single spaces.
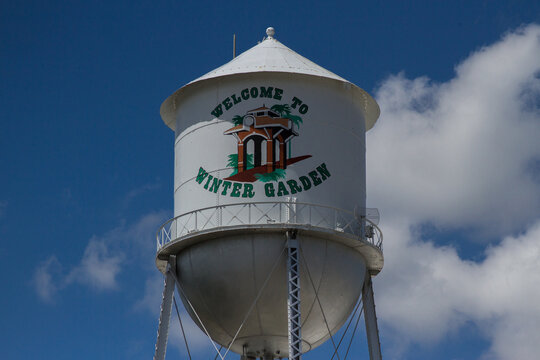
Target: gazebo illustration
pixel 270 134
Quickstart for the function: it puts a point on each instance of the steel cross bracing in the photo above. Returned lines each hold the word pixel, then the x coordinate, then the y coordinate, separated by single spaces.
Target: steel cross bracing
pixel 293 301
pixel 171 280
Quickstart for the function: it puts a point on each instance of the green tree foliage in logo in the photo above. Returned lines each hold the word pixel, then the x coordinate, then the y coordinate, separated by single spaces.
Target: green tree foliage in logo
pixel 233 163
pixel 284 110
pixel 238 120
pixel 273 176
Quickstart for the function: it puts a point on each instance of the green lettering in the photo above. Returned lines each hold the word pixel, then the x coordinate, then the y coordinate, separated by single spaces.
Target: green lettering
pixel 226 186
pixel 245 94
pixel 235 99
pixel 277 94
pixel 295 101
pixel 227 103
pixel 269 190
pixel 201 176
pixel 282 190
pixel 236 189
pixel 248 191
pixel 215 185
pixel 313 175
pixel 218 111
pixel 266 92
pixel 305 182
pixel 323 171
pixel 294 186
pixel 254 92
pixel 208 181
pixel 303 109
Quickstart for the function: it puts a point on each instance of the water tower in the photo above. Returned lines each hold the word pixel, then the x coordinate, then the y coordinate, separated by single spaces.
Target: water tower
pixel 271 245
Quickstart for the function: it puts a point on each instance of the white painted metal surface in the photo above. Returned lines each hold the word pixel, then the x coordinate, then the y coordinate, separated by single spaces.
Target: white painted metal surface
pixel 269 56
pixel 222 277
pixel 268 126
pixel 325 161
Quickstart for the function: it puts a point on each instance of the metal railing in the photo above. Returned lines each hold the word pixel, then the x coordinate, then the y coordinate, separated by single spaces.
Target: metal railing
pixel 275 212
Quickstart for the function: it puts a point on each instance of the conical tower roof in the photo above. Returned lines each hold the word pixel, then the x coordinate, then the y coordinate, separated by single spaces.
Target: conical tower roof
pixel 270 55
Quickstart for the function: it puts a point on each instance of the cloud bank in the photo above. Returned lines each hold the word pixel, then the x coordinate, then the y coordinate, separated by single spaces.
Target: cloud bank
pixel 45 279
pixel 461 156
pixel 464 153
pixel 103 259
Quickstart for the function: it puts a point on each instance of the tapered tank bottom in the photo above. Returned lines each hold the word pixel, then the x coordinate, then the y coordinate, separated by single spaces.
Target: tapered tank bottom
pixel 223 276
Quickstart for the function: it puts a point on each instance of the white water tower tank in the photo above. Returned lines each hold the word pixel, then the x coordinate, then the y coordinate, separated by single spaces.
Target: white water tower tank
pixel 268 143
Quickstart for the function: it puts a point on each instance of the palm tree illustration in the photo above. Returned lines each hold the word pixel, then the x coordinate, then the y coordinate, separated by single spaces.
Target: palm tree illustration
pixel 233 162
pixel 238 119
pixel 284 110
pixel 281 109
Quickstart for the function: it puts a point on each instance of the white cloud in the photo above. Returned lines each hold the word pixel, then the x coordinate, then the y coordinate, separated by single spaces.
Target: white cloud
pixel 462 155
pixel 153 289
pixel 426 292
pixel 197 340
pixel 44 280
pixel 104 258
pixel 99 267
pixel 151 301
pixel 140 237
pixel 134 193
pixel 459 153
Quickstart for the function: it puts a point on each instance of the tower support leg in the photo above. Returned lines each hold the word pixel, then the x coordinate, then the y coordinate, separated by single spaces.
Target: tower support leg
pixel 372 330
pixel 293 301
pixel 165 313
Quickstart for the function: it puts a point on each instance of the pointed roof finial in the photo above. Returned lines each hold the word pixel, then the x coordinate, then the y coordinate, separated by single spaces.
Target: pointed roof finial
pixel 270 32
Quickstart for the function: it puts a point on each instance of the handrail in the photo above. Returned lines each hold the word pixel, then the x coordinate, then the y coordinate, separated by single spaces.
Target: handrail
pixel 269 212
pixel 377 233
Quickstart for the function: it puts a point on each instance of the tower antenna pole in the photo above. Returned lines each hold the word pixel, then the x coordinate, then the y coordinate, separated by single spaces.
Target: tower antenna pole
pixel 234 46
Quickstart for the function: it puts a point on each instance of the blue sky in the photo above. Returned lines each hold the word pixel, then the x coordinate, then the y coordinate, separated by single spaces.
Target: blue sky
pixel 87 165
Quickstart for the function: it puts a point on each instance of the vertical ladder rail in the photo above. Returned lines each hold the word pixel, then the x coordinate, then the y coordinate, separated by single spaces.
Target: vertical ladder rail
pixel 293 300
pixel 372 330
pixel 165 312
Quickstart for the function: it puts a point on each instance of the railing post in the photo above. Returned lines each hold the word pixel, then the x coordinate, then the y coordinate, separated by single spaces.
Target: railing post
pixel 362 228
pixel 358 226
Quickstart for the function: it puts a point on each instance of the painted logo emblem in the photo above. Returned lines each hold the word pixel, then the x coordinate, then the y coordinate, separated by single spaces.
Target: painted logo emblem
pixel 269 133
pixel 264 148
